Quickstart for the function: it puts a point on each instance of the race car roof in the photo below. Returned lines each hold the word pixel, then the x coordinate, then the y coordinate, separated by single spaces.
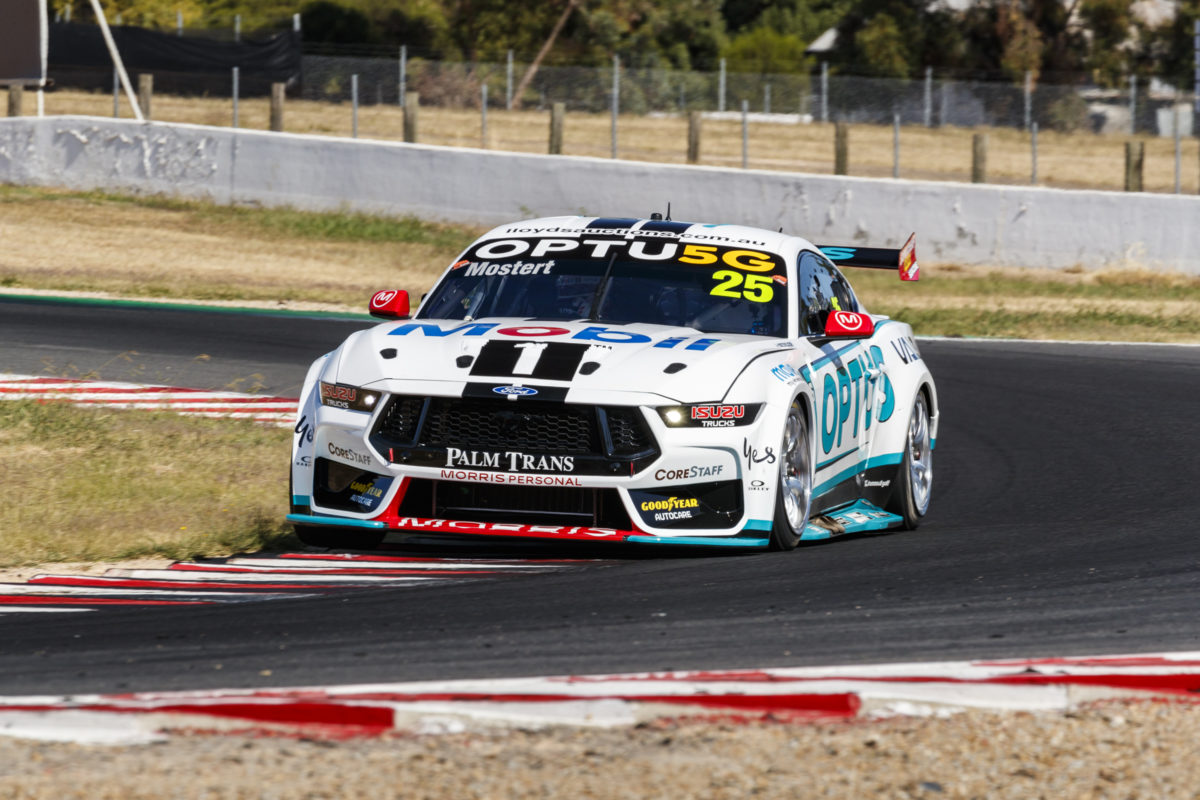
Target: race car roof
pixel 599 226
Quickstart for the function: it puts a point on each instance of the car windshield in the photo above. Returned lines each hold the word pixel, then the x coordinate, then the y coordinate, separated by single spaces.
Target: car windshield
pixel 732 291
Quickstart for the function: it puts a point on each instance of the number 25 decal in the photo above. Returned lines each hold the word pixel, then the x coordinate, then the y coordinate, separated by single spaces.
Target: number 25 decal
pixel 756 288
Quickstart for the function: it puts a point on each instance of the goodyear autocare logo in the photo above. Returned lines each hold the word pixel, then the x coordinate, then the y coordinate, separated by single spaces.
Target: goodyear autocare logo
pixel 670 509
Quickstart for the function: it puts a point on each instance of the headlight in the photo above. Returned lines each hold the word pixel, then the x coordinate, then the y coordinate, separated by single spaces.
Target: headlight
pixel 350 398
pixel 710 415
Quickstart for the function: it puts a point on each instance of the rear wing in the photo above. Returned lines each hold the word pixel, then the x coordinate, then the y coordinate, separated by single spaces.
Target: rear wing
pixel 904 259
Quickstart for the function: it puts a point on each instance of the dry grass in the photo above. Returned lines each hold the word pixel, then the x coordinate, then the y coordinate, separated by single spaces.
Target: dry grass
pixel 101 485
pixel 1081 160
pixel 112 245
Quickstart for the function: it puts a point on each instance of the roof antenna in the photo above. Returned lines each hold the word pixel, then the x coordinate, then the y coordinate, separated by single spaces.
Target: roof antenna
pixel 668 211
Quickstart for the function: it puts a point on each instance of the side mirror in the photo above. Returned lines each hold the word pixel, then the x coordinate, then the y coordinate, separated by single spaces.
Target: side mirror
pixel 848 325
pixel 389 304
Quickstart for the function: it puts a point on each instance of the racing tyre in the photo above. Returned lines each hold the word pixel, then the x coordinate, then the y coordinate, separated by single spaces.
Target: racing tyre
pixel 914 482
pixel 336 539
pixel 793 501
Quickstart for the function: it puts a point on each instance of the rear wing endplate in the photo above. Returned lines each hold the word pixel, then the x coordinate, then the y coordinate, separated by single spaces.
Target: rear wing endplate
pixel 904 260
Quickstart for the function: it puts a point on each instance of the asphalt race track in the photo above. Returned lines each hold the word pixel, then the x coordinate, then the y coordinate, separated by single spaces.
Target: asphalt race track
pixel 1063 523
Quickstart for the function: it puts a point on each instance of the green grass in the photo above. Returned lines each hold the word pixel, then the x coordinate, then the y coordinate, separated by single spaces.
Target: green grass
pixel 102 485
pixel 344 226
pixel 1090 324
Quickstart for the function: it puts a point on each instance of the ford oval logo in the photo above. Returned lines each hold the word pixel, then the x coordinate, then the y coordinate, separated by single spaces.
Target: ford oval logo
pixel 515 391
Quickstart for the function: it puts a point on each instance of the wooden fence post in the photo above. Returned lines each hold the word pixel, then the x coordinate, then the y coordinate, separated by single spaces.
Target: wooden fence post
pixel 841 149
pixel 278 91
pixel 693 140
pixel 558 111
pixel 1135 159
pixel 412 103
pixel 145 92
pixel 15 95
pixel 979 144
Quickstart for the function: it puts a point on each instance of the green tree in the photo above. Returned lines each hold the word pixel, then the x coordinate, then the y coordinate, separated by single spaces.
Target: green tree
pixel 897 38
pixel 1170 45
pixel 142 13
pixel 1021 44
pixel 765 51
pixel 329 21
pixel 883 48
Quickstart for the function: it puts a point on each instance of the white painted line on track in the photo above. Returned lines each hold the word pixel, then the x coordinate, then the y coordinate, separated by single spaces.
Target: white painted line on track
pixel 42 589
pixel 476 565
pixel 149 397
pixel 265 577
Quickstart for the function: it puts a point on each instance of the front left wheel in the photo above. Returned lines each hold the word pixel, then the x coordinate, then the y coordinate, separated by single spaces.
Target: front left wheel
pixel 793 500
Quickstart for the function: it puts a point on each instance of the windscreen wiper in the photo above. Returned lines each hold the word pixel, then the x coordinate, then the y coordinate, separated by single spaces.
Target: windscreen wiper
pixel 601 288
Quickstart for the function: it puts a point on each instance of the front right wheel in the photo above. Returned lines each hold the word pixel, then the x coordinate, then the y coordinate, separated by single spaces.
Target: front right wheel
pixel 914 480
pixel 793 499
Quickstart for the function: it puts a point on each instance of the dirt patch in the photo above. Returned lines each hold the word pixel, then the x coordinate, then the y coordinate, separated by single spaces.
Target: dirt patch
pixel 1116 751
pixel 87 568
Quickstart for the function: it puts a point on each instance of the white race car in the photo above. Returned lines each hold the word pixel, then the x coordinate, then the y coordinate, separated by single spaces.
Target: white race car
pixel 624 380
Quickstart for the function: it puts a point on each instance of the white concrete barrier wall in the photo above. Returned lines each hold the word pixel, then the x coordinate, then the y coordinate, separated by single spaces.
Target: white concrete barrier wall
pixel 955 222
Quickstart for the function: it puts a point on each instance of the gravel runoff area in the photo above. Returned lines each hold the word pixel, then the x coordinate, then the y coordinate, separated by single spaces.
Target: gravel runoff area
pixel 1115 750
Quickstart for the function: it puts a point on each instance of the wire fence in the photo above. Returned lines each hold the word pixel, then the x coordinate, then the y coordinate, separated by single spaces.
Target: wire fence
pixel 1069 105
pixel 914 129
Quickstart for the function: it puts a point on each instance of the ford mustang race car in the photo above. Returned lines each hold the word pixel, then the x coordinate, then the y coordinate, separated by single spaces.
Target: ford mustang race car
pixel 625 380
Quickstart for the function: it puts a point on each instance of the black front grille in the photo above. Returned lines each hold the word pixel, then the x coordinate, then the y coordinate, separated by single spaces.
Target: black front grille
pixel 601 439
pixel 628 431
pixel 398 422
pixel 476 500
pixel 545 505
pixel 481 424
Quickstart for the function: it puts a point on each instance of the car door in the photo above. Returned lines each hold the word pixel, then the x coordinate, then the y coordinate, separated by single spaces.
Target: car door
pixel 843 377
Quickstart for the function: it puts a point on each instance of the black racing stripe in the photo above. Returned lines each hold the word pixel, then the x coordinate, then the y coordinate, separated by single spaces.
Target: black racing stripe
pixel 613 223
pixel 666 225
pixel 557 361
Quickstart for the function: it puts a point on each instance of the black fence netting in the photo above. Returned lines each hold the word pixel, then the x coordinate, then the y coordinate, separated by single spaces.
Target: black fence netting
pixel 180 64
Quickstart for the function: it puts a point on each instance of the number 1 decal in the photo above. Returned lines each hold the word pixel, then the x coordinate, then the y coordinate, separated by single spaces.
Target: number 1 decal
pixel 530 353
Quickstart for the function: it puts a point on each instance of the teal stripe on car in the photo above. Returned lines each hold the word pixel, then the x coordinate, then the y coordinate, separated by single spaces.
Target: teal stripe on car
pixel 836 459
pixel 340 522
pixel 889 460
pixel 723 541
